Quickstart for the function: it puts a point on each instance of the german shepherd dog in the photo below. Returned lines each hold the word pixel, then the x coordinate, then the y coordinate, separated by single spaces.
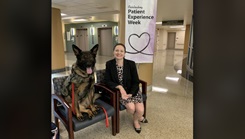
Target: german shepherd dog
pixel 82 76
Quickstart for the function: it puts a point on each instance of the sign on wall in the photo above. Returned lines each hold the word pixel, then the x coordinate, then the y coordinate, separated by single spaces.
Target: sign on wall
pixel 140 18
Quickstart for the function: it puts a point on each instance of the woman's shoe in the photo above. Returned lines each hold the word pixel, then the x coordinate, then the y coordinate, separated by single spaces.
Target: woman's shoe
pixel 144 120
pixel 138 130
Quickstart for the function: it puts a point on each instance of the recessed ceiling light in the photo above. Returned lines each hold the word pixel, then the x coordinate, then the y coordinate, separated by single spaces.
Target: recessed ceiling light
pixel 79 20
pixel 158 23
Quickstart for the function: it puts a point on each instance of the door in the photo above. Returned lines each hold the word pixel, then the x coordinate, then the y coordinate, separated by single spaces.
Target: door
pixel 171 40
pixel 82 39
pixel 105 41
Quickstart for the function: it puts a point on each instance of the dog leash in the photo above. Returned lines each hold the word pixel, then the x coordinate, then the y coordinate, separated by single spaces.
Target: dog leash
pixel 106 116
pixel 73 97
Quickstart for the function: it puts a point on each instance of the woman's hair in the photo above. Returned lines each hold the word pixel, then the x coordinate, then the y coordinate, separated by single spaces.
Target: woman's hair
pixel 121 45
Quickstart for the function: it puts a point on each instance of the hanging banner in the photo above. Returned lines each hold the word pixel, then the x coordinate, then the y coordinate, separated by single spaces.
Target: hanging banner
pixel 140 18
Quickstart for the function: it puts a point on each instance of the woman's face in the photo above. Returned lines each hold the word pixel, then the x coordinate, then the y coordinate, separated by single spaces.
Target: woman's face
pixel 119 52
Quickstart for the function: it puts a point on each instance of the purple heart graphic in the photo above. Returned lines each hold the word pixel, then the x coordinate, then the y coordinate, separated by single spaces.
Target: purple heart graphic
pixel 144 47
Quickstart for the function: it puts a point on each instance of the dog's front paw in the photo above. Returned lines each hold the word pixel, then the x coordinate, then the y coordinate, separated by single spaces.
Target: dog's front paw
pixel 95 112
pixel 90 114
pixel 80 117
pixel 94 109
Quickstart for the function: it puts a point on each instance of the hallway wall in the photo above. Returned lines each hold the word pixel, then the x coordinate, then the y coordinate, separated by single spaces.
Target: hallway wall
pixel 87 26
pixel 161 39
pixel 162 36
pixel 180 38
pixel 187 38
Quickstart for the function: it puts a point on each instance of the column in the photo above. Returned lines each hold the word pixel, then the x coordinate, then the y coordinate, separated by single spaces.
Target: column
pixel 187 38
pixel 58 56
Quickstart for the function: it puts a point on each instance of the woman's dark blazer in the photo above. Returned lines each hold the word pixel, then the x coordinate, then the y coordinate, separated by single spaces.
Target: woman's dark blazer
pixel 130 76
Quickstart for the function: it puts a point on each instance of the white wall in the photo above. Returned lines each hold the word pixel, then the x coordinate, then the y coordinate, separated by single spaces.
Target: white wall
pixel 165 38
pixel 162 37
pixel 63 34
pixel 180 39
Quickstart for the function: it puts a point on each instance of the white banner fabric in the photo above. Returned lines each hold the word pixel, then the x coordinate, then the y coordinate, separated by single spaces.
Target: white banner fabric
pixel 140 26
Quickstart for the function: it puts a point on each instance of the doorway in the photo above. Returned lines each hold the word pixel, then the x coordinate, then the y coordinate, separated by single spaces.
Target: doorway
pixel 82 39
pixel 171 40
pixel 105 41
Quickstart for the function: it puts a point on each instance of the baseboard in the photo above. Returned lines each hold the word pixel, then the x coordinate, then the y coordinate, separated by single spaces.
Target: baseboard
pixel 149 88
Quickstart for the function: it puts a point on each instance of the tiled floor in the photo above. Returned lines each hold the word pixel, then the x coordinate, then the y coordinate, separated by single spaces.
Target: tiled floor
pixel 169 103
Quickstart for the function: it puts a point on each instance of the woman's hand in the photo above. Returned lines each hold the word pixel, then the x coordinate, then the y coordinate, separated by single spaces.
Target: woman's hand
pixel 124 94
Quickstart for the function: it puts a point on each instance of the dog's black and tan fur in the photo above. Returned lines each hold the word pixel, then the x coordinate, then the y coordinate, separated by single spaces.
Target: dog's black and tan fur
pixel 82 75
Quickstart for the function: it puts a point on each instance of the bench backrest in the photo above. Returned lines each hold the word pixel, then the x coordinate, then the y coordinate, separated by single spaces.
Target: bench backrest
pixel 59 81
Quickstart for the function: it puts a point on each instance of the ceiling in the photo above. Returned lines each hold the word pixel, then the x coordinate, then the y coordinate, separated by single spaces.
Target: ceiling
pixel 108 10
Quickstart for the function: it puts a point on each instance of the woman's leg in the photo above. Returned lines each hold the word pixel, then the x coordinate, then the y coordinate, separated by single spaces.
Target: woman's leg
pixel 130 108
pixel 139 111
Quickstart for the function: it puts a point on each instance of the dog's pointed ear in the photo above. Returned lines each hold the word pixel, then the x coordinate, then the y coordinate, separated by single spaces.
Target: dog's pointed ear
pixel 94 49
pixel 76 50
